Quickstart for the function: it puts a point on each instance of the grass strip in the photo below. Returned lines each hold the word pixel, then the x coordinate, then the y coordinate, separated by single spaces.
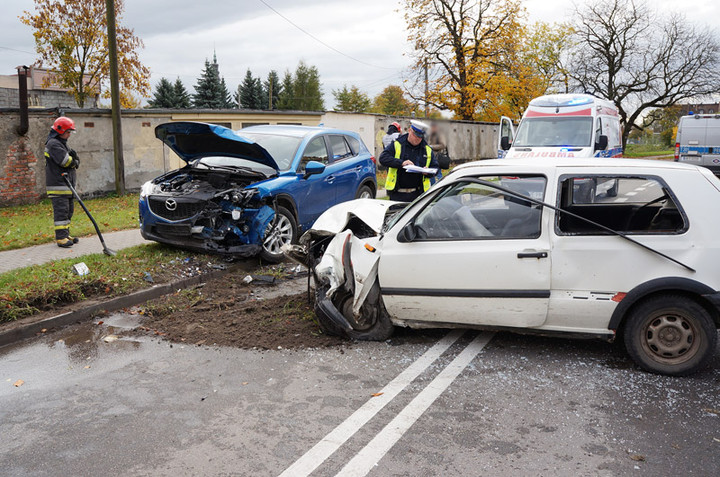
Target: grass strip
pixel 31 290
pixel 26 225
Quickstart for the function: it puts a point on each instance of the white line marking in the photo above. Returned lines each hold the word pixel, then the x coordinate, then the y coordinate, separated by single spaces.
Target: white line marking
pixel 621 199
pixel 338 436
pixel 631 193
pixel 370 455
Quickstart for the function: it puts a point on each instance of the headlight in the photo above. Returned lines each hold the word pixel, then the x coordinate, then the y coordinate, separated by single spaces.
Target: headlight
pixel 147 189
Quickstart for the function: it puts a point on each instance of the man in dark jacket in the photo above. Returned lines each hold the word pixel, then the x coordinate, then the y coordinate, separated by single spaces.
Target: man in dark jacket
pixel 59 160
pixel 408 150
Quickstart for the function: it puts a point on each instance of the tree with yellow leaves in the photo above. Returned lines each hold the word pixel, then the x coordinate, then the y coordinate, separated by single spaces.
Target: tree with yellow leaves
pixel 482 60
pixel 71 39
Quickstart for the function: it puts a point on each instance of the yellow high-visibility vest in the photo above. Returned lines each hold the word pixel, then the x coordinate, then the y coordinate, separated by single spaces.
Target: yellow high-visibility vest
pixel 391 180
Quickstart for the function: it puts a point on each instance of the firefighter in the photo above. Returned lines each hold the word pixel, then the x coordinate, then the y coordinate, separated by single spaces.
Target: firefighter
pixel 408 149
pixel 60 159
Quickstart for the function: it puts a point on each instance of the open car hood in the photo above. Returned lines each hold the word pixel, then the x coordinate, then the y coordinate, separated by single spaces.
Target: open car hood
pixel 191 141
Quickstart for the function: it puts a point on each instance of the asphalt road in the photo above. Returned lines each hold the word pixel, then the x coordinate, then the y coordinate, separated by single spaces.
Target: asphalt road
pixel 452 403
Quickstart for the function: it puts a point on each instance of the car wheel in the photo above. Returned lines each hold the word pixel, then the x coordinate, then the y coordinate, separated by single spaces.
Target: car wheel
pixel 671 335
pixel 281 231
pixel 373 324
pixel 365 192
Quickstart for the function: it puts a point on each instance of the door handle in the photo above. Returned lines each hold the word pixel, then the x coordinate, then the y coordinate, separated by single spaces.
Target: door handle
pixel 532 255
pixel 330 179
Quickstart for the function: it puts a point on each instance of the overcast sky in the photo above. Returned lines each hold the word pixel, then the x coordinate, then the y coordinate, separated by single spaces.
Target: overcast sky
pixel 369 34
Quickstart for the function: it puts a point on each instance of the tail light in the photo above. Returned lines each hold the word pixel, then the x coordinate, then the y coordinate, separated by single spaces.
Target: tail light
pixel 372 158
pixel 677 151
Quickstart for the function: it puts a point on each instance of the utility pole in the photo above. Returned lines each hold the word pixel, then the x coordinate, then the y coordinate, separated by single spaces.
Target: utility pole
pixel 426 88
pixel 270 94
pixel 115 97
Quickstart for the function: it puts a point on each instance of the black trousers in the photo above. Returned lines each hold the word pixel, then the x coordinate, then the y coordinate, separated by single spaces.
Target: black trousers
pixel 63 208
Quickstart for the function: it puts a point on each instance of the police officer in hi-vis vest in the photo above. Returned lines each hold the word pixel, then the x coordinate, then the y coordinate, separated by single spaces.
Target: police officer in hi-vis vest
pixel 59 159
pixel 408 149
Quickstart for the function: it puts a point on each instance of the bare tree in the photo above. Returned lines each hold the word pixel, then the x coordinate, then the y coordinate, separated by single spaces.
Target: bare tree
pixel 639 60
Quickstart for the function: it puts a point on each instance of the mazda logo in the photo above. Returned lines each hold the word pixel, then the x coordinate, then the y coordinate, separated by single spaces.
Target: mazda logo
pixel 170 204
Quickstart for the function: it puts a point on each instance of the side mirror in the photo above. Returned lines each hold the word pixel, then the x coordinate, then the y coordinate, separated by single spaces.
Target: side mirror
pixel 312 168
pixel 601 143
pixel 505 143
pixel 408 233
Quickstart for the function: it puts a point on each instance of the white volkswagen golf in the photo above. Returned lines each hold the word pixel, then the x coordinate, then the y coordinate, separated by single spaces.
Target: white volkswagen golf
pixel 533 246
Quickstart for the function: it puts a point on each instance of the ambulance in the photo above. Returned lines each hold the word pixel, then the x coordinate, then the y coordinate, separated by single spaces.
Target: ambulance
pixel 566 125
pixel 563 125
pixel 698 141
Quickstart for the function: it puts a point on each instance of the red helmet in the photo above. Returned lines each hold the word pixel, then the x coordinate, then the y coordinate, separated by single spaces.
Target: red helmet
pixel 397 125
pixel 63 124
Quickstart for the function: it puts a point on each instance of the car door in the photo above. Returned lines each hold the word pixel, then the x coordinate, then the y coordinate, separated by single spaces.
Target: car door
pixel 480 257
pixel 345 168
pixel 315 193
pixel 506 130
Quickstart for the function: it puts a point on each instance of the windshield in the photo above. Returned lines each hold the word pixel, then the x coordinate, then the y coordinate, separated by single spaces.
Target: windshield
pixel 224 161
pixel 548 132
pixel 281 148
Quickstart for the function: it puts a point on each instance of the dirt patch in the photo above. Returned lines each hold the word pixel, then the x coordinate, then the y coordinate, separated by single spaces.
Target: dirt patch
pixel 228 312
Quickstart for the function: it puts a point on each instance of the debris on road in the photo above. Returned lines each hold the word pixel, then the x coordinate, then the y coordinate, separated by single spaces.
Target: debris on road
pixel 110 338
pixel 18 383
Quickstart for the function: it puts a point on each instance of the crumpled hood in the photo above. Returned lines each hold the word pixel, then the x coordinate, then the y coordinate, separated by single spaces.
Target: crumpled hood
pixel 336 218
pixel 191 140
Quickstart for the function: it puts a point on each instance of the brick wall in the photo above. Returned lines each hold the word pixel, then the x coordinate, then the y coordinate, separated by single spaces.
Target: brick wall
pixel 18 178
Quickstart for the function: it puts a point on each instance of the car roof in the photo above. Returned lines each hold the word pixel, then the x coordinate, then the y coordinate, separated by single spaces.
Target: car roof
pixel 290 130
pixel 546 163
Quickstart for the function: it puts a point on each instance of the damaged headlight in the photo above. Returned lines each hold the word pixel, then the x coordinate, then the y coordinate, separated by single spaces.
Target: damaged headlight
pixel 147 189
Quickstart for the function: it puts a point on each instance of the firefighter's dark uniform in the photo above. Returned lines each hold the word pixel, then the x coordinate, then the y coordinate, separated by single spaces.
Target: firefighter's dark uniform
pixel 58 160
pixel 407 186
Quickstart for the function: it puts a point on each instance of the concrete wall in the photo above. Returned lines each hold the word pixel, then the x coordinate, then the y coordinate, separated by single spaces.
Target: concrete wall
pixel 22 166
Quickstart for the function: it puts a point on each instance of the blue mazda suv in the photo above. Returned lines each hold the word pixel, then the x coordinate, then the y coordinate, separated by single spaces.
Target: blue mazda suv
pixel 251 191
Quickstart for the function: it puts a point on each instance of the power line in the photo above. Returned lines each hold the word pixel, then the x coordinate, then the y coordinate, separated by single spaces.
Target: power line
pixel 322 42
pixel 19 51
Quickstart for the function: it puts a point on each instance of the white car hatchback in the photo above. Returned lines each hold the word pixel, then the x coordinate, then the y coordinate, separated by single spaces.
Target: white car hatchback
pixel 479 251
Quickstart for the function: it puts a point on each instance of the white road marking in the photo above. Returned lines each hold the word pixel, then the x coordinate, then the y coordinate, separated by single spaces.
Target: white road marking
pixel 631 193
pixel 621 199
pixel 338 436
pixel 370 455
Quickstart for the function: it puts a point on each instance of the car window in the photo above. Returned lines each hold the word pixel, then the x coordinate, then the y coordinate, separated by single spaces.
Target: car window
pixel 642 205
pixel 546 132
pixel 314 151
pixel 469 210
pixel 340 148
pixel 354 145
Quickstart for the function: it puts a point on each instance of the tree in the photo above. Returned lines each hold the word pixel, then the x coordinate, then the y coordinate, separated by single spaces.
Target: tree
pixel 164 96
pixel 286 95
pixel 71 39
pixel 638 60
pixel 464 45
pixel 391 101
pixel 182 98
pixel 272 84
pixel 210 90
pixel 352 100
pixel 307 92
pixel 249 93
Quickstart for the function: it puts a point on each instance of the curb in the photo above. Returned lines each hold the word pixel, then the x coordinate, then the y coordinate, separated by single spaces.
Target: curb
pixel 29 330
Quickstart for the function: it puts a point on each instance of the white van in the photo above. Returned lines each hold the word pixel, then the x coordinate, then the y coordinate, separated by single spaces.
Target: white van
pixel 698 141
pixel 563 125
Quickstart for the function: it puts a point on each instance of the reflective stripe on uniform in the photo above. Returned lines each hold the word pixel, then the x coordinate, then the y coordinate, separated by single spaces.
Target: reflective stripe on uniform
pixel 62 227
pixel 58 190
pixel 391 180
pixel 66 162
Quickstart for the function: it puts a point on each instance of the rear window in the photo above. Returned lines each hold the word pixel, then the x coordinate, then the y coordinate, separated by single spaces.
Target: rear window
pixel 632 205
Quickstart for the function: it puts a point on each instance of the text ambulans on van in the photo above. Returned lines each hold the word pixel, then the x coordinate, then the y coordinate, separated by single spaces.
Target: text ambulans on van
pixel 563 125
pixel 698 141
